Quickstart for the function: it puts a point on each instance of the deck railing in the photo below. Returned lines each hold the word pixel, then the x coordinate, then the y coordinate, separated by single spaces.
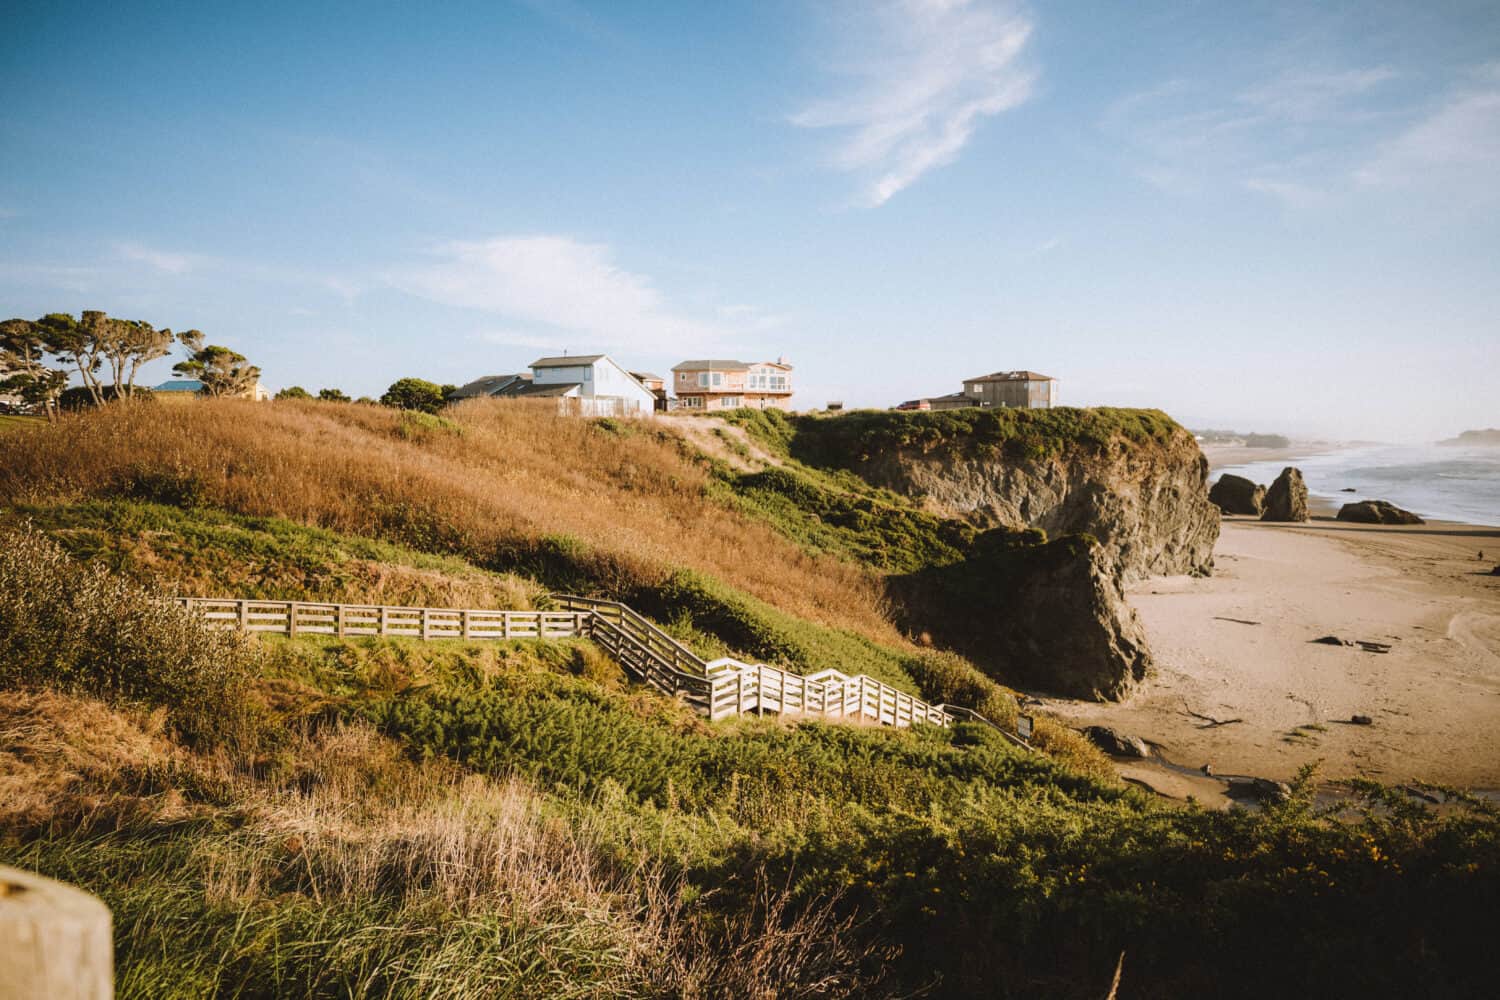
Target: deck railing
pixel 718 688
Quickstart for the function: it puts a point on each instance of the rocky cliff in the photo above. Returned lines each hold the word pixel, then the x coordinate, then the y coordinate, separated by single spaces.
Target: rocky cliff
pixel 1135 480
pixel 1049 617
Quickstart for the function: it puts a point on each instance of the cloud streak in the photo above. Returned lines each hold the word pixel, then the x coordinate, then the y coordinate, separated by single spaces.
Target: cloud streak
pixel 157 260
pixel 1458 143
pixel 556 290
pixel 924 75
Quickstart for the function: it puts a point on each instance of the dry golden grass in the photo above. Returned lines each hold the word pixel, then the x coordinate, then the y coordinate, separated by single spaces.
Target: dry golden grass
pixel 67 762
pixel 507 476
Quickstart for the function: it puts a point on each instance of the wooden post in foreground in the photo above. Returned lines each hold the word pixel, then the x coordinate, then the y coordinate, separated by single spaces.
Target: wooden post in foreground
pixel 55 941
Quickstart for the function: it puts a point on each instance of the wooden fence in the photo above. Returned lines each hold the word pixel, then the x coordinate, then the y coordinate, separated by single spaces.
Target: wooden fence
pixel 718 689
pixel 293 618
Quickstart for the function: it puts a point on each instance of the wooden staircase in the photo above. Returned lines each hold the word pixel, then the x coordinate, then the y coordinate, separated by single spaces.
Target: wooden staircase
pixel 718 689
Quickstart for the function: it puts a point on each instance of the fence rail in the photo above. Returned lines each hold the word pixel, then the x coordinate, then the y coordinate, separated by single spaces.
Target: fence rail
pixel 293 618
pixel 719 688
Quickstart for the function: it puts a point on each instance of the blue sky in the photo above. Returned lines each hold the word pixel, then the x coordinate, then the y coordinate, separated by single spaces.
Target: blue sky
pixel 1252 215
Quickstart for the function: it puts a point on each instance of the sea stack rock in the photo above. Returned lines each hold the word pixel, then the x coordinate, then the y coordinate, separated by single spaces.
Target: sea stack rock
pixel 1377 512
pixel 1238 495
pixel 1286 500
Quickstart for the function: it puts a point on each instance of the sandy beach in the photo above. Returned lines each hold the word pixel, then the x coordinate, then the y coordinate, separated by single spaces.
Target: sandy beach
pixel 1238 646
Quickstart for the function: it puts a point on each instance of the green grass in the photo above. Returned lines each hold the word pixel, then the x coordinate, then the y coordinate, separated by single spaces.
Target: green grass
pixel 209 552
pixel 16 421
pixel 690 602
pixel 851 439
pixel 841 515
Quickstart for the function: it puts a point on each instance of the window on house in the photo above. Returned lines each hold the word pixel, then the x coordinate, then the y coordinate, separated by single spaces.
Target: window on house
pixel 731 402
pixel 718 379
pixel 703 380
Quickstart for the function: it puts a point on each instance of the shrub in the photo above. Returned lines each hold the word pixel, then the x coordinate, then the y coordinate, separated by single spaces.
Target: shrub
pixel 77 628
pixel 416 394
pixel 949 679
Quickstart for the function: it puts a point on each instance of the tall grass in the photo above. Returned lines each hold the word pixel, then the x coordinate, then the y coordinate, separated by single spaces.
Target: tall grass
pixel 518 489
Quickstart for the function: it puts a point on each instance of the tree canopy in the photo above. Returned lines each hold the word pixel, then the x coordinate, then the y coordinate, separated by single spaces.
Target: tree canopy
pixel 417 394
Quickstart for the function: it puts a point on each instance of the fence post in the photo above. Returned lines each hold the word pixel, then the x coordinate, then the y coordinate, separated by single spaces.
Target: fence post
pixel 464 617
pixel 380 629
pixel 338 619
pixel 244 616
pixel 55 941
pixel 291 618
pixel 425 620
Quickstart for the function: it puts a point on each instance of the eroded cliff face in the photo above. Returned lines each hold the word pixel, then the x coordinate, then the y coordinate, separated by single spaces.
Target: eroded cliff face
pixel 1120 494
pixel 1145 501
pixel 1050 617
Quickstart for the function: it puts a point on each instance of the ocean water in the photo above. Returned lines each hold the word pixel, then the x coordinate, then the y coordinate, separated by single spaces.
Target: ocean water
pixel 1440 484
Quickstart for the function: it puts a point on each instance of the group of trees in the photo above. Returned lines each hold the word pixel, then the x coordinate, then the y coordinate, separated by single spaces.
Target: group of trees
pixel 326 395
pixel 39 357
pixel 404 394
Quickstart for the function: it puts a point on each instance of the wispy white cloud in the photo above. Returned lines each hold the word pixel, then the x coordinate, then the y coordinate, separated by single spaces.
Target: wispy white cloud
pixel 1290 135
pixel 1457 143
pixel 572 290
pixel 925 73
pixel 159 260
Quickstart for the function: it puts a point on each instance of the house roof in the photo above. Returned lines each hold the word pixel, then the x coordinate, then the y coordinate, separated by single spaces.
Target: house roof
pixel 566 361
pixel 547 389
pixel 179 385
pixel 711 364
pixel 488 385
pixel 647 377
pixel 1020 376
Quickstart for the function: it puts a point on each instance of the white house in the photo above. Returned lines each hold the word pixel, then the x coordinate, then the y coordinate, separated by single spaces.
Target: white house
pixel 600 387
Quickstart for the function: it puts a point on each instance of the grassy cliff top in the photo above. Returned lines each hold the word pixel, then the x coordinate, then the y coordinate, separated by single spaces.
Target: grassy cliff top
pixel 1016 434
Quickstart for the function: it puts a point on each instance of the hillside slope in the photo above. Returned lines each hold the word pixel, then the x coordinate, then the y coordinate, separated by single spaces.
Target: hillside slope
pixel 327 817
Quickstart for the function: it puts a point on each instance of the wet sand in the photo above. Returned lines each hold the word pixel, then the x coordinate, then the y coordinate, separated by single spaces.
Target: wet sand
pixel 1434 698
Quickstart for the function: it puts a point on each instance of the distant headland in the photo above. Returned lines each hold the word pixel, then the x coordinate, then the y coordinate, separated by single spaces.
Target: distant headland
pixel 1487 438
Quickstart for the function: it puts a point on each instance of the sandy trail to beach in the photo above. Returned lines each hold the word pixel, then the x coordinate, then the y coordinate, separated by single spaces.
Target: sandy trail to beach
pixel 1434 698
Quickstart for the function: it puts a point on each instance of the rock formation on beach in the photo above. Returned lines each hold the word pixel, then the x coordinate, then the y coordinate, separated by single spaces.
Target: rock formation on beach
pixel 1049 617
pixel 1286 500
pixel 1238 495
pixel 1377 512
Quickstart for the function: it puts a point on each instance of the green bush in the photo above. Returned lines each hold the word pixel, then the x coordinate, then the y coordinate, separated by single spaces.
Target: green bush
pixel 79 629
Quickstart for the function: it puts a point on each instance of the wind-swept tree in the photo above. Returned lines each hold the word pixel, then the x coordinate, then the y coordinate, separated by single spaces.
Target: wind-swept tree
pixel 223 372
pixel 127 344
pixel 293 392
pixel 75 342
pixel 95 342
pixel 332 396
pixel 23 368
